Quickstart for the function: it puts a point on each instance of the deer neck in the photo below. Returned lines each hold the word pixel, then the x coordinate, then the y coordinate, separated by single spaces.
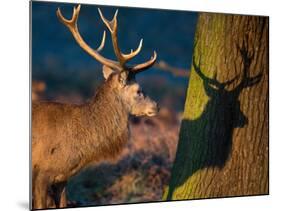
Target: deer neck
pixel 109 111
pixel 107 120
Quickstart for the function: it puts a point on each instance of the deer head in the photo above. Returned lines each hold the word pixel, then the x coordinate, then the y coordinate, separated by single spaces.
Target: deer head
pixel 118 73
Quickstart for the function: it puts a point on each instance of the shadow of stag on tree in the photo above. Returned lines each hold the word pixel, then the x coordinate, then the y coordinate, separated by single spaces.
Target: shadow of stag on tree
pixel 207 140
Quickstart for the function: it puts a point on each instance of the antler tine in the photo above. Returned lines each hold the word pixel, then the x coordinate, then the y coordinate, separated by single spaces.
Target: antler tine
pixel 73 21
pixel 211 81
pixel 102 42
pixel 73 28
pixel 133 53
pixel 246 80
pixel 112 26
pixel 198 70
pixel 141 67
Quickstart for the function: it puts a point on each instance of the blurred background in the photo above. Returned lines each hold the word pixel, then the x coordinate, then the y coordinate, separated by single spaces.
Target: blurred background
pixel 63 72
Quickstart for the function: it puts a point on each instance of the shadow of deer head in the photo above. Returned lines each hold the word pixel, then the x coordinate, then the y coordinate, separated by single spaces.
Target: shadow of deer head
pixel 207 140
pixel 227 101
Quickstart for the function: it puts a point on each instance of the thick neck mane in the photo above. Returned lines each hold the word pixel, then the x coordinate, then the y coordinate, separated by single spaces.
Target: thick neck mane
pixel 106 118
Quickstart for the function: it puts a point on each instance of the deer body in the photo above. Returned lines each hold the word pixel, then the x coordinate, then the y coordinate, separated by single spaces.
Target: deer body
pixel 66 138
pixel 92 132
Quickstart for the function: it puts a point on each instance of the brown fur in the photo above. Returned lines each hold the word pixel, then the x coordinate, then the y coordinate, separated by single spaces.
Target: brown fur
pixel 65 138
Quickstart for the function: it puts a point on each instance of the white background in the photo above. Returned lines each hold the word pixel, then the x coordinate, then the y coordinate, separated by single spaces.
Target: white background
pixel 14 103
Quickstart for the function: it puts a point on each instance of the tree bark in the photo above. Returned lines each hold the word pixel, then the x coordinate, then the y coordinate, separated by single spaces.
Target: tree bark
pixel 223 140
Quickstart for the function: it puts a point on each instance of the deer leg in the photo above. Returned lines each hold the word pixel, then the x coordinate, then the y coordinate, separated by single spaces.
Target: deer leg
pixel 40 191
pixel 59 194
pixel 51 199
pixel 63 200
pixel 34 175
pixel 51 202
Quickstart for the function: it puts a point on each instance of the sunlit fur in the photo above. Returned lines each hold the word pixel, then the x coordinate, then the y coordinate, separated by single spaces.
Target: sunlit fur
pixel 65 137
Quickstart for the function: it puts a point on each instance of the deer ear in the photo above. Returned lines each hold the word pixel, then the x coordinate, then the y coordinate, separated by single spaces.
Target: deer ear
pixel 107 71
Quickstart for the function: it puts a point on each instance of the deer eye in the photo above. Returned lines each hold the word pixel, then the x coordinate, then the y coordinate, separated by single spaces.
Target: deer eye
pixel 139 93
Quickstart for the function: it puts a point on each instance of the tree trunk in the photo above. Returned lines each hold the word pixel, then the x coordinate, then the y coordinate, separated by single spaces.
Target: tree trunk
pixel 223 141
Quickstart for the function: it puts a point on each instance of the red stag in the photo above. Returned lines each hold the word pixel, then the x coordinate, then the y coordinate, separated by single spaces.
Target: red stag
pixel 66 137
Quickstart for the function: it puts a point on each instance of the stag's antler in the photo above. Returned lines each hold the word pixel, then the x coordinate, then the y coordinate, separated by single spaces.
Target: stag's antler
pixel 72 26
pixel 124 58
pixel 112 26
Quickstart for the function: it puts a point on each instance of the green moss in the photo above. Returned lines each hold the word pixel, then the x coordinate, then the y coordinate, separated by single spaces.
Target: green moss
pixel 193 149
